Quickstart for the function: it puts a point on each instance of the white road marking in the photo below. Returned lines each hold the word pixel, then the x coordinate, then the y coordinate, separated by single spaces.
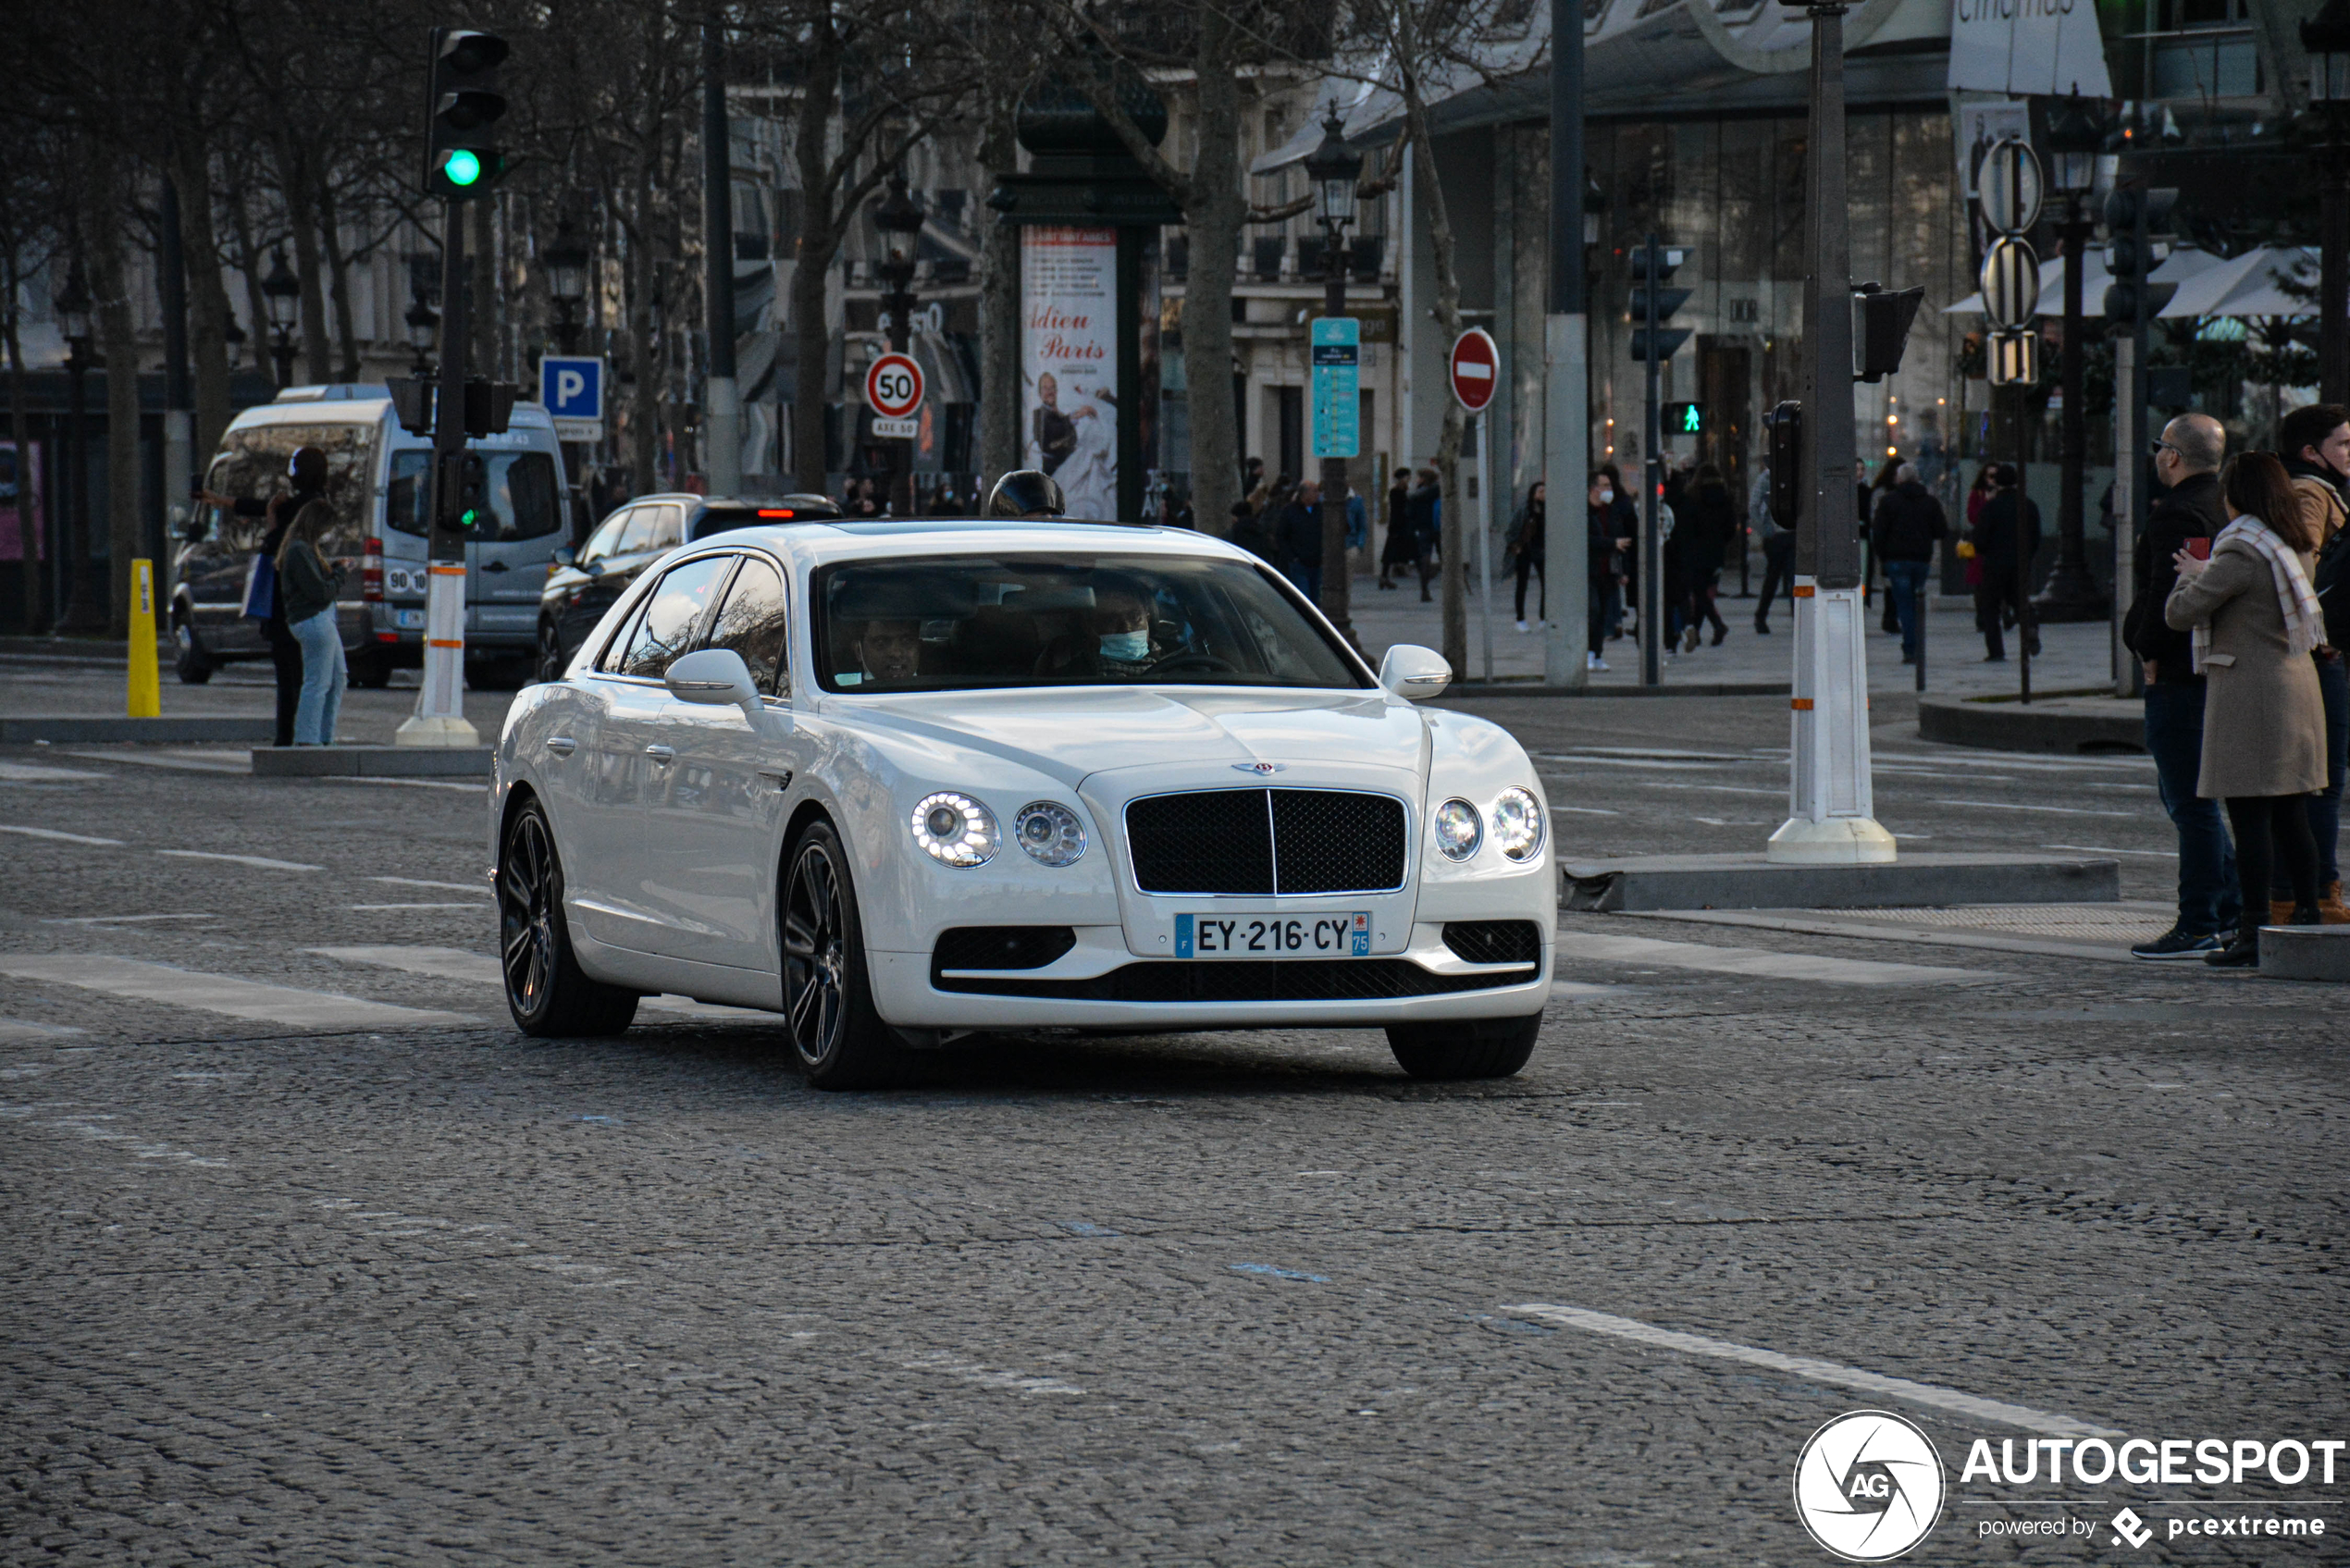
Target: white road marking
pixel 408 783
pixel 1813 1370
pixel 2023 764
pixel 973 1372
pixel 1586 811
pixel 219 993
pixel 1643 762
pixel 263 861
pixel 479 969
pixel 1754 962
pixel 25 1029
pixel 379 907
pixel 189 761
pixel 28 773
pixel 450 886
pixel 1716 789
pixel 1824 923
pixel 1654 751
pixel 2048 810
pixel 122 920
pixel 61 837
pixel 2099 850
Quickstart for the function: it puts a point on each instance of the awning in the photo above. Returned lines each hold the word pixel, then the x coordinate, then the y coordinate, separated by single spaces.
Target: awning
pixel 2184 264
pixel 2252 284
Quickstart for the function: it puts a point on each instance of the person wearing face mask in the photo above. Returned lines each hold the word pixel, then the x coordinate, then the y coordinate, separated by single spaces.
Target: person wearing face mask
pixel 1604 549
pixel 1121 633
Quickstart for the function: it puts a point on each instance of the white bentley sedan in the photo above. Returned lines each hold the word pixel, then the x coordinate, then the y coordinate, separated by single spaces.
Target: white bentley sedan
pixel 904 782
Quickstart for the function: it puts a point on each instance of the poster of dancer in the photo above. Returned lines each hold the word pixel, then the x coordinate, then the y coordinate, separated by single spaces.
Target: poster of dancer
pixel 1069 363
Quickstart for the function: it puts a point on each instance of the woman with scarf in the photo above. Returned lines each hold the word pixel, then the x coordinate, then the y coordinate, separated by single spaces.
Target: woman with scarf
pixel 2256 621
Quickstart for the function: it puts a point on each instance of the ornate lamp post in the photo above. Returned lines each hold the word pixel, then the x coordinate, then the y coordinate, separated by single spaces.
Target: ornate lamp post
pixel 1334 168
pixel 899 216
pixel 2075 135
pixel 2327 38
pixel 281 291
pixel 566 264
pixel 85 610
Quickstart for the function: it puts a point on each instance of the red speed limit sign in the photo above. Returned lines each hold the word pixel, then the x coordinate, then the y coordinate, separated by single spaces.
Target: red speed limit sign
pixel 894 386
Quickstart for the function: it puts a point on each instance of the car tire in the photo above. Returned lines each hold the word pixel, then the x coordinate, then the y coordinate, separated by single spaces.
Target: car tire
pixel 551 658
pixel 828 1000
pixel 1470 1048
pixel 192 664
pixel 545 990
pixel 370 669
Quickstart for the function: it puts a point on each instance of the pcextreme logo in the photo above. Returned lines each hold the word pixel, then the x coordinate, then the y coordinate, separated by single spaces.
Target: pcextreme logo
pixel 1868 1486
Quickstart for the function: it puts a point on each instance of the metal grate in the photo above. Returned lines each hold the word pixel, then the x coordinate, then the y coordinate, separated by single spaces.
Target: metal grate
pixel 1278 980
pixel 1279 841
pixel 1000 947
pixel 1494 941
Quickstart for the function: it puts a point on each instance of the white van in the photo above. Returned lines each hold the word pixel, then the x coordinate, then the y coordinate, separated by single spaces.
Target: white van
pixel 378 482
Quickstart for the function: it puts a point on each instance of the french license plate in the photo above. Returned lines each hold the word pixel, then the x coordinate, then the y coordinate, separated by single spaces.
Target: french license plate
pixel 408 620
pixel 1345 935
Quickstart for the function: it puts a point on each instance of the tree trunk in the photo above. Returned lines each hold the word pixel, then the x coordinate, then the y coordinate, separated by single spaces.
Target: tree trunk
pixel 1000 335
pixel 256 303
pixel 1218 206
pixel 1428 199
pixel 28 506
pixel 207 298
pixel 338 282
pixel 301 217
pixel 118 342
pixel 818 239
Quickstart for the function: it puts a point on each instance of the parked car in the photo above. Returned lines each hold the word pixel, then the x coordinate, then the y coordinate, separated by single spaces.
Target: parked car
pixel 583 584
pixel 900 782
pixel 378 483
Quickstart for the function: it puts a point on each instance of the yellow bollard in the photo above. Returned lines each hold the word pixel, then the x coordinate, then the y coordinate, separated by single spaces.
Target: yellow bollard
pixel 145 697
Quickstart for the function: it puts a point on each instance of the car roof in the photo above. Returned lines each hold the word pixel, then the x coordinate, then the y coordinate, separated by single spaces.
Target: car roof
pixel 819 542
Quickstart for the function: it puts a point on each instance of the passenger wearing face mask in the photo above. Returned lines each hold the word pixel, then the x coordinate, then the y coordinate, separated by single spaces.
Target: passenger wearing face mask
pixel 1116 645
pixel 1605 550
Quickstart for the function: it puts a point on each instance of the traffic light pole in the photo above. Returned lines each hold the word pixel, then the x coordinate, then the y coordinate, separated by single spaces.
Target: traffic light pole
pixel 1652 476
pixel 1831 819
pixel 1566 364
pixel 440 718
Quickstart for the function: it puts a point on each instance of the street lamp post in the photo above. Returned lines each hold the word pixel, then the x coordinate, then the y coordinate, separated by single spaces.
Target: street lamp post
pixel 1832 815
pixel 281 291
pixel 566 264
pixel 899 215
pixel 2327 38
pixel 84 612
pixel 2074 138
pixel 1333 170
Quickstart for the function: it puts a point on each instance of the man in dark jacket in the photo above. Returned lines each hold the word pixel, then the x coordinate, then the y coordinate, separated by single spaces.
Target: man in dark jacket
pixel 2007 538
pixel 2188 460
pixel 1424 505
pixel 2315 443
pixel 305 481
pixel 1908 529
pixel 1301 540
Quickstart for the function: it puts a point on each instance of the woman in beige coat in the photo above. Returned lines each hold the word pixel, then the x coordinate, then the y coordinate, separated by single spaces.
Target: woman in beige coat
pixel 2256 622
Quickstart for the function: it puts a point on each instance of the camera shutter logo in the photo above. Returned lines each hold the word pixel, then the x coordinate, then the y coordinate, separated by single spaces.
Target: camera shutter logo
pixel 1868 1486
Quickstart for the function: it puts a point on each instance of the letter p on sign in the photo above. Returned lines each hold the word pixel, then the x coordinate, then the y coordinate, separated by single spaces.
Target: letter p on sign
pixel 569 386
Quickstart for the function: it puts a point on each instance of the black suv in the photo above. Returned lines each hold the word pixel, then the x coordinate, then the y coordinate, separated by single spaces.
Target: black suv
pixel 583 584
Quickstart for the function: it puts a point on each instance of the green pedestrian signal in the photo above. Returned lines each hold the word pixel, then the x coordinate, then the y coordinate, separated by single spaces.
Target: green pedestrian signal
pixel 462 167
pixel 1685 419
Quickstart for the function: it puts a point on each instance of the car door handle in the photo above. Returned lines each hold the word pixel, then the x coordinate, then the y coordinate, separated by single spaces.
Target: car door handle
pixel 662 754
pixel 562 745
pixel 779 777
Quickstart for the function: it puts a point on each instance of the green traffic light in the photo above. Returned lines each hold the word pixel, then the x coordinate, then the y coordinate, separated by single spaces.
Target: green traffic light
pixel 463 168
pixel 468 517
pixel 1691 421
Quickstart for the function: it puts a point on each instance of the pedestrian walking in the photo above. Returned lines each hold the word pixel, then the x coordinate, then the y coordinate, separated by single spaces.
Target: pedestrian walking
pixel 1779 554
pixel 1425 505
pixel 2006 537
pixel 1528 539
pixel 309 591
pixel 2316 448
pixel 1908 529
pixel 1626 523
pixel 1707 527
pixel 2255 621
pixel 2186 460
pixel 1300 538
pixel 1889 475
pixel 305 481
pixel 1398 550
pixel 1253 535
pixel 1604 551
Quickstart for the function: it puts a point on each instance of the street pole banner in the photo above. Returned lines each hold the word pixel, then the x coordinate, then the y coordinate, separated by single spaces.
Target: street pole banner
pixel 1068 362
pixel 1338 398
pixel 2028 46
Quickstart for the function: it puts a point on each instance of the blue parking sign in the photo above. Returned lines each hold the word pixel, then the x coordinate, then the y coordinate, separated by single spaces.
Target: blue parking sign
pixel 572 387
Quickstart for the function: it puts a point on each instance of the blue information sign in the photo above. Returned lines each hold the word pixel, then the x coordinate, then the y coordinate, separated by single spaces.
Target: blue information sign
pixel 1338 401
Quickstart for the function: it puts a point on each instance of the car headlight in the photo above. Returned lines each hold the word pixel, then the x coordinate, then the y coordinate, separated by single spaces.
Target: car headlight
pixel 955 829
pixel 1517 824
pixel 1050 832
pixel 1458 830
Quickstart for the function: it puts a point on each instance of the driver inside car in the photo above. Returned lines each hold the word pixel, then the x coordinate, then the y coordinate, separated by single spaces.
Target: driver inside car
pixel 890 652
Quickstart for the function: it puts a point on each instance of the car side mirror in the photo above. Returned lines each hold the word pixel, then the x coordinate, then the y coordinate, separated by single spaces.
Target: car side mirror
pixel 565 556
pixel 717 677
pixel 1414 672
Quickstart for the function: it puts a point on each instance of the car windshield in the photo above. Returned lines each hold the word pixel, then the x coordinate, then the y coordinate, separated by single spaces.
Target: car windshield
pixel 963 621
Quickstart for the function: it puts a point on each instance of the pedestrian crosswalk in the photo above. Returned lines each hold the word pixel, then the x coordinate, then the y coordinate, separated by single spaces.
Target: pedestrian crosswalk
pixel 255 1001
pixel 476 968
pixel 1600 948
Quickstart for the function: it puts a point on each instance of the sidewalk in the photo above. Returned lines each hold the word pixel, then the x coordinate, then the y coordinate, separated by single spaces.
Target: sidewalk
pixel 2074 657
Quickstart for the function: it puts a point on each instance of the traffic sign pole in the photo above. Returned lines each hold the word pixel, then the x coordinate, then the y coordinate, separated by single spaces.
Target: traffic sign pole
pixel 440 718
pixel 1652 476
pixel 1484 539
pixel 1474 368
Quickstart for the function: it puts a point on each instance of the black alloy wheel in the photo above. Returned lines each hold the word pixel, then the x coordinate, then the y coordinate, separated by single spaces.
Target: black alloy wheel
pixel 551 658
pixel 545 990
pixel 828 1004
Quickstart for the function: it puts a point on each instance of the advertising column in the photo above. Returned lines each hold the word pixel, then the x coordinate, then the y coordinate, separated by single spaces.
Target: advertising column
pixel 1069 363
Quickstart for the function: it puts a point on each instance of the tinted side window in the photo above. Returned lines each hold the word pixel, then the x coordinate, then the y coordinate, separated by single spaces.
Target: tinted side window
pixel 638 534
pixel 673 613
pixel 411 491
pixel 605 540
pixel 669 528
pixel 755 622
pixel 522 497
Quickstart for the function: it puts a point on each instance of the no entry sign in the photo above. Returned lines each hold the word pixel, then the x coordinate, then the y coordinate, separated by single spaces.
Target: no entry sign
pixel 1476 369
pixel 894 386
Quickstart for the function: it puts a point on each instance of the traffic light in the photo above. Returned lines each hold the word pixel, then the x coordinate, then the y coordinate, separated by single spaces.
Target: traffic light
pixel 1683 419
pixel 1651 314
pixel 2135 218
pixel 1881 319
pixel 1785 424
pixel 489 406
pixel 465 492
pixel 461 101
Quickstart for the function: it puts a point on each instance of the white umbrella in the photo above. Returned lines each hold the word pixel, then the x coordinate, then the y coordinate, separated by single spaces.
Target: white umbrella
pixel 2253 285
pixel 2184 262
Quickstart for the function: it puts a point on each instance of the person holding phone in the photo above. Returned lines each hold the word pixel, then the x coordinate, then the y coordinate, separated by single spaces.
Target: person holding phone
pixel 305 481
pixel 2186 460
